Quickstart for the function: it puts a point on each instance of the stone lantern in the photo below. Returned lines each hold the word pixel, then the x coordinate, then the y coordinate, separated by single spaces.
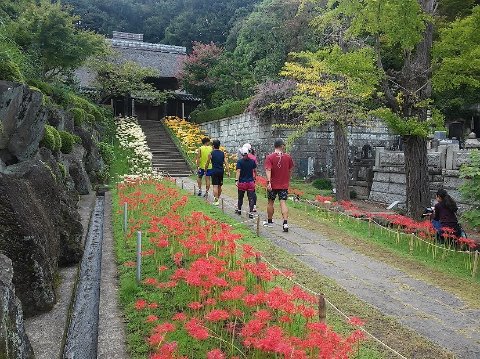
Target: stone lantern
pixel 472 141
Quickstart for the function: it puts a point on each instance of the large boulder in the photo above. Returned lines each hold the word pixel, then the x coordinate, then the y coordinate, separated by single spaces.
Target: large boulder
pixel 40 228
pixel 76 170
pixel 22 122
pixel 14 343
pixel 93 160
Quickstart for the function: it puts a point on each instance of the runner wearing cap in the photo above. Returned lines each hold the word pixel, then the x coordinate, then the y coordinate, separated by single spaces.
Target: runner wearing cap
pixel 245 181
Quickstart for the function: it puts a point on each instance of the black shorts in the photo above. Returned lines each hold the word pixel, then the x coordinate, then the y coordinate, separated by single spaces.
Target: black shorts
pixel 282 194
pixel 217 178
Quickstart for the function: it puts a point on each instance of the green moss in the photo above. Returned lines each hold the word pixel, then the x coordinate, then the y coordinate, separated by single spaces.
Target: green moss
pixel 58 140
pixel 68 141
pixel 229 109
pixel 90 118
pixel 62 168
pixel 107 153
pixel 79 116
pixel 48 139
pixel 10 71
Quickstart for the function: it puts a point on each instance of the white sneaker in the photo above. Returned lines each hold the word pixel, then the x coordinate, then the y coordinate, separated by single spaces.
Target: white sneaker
pixel 285 227
pixel 267 224
pixel 205 195
pixel 215 201
pixel 199 193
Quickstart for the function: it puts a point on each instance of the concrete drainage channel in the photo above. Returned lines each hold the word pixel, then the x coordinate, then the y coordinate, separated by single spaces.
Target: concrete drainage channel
pixel 82 335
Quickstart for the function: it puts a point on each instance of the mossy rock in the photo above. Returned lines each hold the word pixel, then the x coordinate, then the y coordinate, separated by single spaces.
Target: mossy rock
pixel 90 118
pixel 51 139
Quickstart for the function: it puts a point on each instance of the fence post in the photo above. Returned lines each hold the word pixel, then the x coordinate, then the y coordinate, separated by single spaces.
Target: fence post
pixel 258 226
pixel 322 309
pixel 370 226
pixel 475 265
pixel 139 256
pixel 125 217
pixel 182 184
pixel 223 206
pixel 411 243
pixel 194 189
pixel 258 260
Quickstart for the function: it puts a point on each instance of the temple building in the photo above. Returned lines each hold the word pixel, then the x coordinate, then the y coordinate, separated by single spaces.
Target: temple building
pixel 165 60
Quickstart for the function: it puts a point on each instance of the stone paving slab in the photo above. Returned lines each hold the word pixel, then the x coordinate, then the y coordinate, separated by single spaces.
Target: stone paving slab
pixel 431 311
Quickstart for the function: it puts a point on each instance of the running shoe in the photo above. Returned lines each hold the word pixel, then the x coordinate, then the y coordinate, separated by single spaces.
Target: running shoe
pixel 205 195
pixel 250 215
pixel 238 211
pixel 254 209
pixel 199 193
pixel 216 203
pixel 285 227
pixel 268 224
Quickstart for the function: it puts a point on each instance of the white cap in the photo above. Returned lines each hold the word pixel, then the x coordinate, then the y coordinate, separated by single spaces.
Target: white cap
pixel 244 151
pixel 247 146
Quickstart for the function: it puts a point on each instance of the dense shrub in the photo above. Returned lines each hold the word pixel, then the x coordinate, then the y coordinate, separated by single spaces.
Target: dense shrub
pixel 90 118
pixel 51 139
pixel 471 188
pixel 79 115
pixel 229 109
pixel 107 153
pixel 322 183
pixel 10 71
pixel 68 140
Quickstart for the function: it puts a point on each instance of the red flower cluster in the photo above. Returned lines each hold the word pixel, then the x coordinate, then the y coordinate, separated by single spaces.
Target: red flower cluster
pixel 231 294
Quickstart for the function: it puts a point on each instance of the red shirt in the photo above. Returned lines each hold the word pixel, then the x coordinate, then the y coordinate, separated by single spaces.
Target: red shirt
pixel 281 165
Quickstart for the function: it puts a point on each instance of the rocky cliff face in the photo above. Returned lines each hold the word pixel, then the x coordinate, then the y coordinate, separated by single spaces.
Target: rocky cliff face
pixel 14 342
pixel 40 227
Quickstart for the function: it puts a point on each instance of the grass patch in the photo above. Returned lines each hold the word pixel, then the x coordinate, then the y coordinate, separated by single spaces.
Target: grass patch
pixel 229 109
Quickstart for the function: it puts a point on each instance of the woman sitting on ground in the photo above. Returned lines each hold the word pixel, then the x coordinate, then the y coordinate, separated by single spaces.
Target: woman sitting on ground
pixel 445 214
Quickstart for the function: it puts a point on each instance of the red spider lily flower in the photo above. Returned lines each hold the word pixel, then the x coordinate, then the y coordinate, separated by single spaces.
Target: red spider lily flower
pixel 140 304
pixel 237 313
pixel 237 275
pixel 217 315
pixel 210 301
pixel 234 293
pixel 153 305
pixel 252 300
pixel 130 264
pixel 285 319
pixel 155 339
pixel 196 330
pixel 162 268
pixel 248 251
pixel 299 294
pixel 324 199
pixel 148 253
pixel 166 351
pixel 215 354
pixel 263 315
pixel 151 318
pixel 306 312
pixel 150 281
pixel 181 317
pixel 252 328
pixel 356 321
pixel 164 328
pixel 195 305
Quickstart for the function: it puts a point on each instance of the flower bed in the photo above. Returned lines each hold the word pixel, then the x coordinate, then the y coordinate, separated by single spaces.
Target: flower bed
pixel 203 295
pixel 133 141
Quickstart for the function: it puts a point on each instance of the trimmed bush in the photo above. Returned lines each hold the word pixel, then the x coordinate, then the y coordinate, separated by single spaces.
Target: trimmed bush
pixel 67 141
pixel 229 109
pixel 322 183
pixel 79 115
pixel 51 139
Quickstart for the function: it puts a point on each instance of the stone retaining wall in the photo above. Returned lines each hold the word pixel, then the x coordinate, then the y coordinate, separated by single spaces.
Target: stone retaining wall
pixel 313 152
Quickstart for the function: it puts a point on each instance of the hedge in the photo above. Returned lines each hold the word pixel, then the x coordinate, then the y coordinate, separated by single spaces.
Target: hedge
pixel 217 113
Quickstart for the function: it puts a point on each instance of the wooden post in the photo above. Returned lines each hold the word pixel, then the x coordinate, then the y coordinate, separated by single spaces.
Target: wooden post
pixel 322 309
pixel 139 256
pixel 175 181
pixel 223 206
pixel 194 190
pixel 370 227
pixel 475 265
pixel 125 217
pixel 258 226
pixel 182 184
pixel 412 236
pixel 258 260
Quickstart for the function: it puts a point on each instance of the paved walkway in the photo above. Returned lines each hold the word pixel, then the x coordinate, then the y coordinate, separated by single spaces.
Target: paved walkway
pixel 433 312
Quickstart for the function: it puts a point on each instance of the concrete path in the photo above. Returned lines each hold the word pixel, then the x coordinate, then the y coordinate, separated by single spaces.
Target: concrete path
pixel 46 331
pixel 111 339
pixel 433 312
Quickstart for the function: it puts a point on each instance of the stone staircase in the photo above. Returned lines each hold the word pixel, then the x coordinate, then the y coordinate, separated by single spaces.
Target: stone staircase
pixel 166 156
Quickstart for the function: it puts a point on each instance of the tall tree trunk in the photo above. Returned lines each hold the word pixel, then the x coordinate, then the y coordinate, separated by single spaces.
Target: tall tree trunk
pixel 416 170
pixel 417 80
pixel 341 161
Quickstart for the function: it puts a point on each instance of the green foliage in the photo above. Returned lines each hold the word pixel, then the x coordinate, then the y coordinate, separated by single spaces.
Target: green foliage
pixel 9 70
pixel 48 32
pixel 107 153
pixel 79 115
pixel 322 183
pixel 67 140
pixel 127 79
pixel 62 169
pixel 232 108
pixel 51 139
pixel 456 59
pixel 471 188
pixel 410 126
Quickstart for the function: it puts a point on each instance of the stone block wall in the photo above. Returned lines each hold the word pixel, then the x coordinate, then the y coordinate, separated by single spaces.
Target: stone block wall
pixel 313 152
